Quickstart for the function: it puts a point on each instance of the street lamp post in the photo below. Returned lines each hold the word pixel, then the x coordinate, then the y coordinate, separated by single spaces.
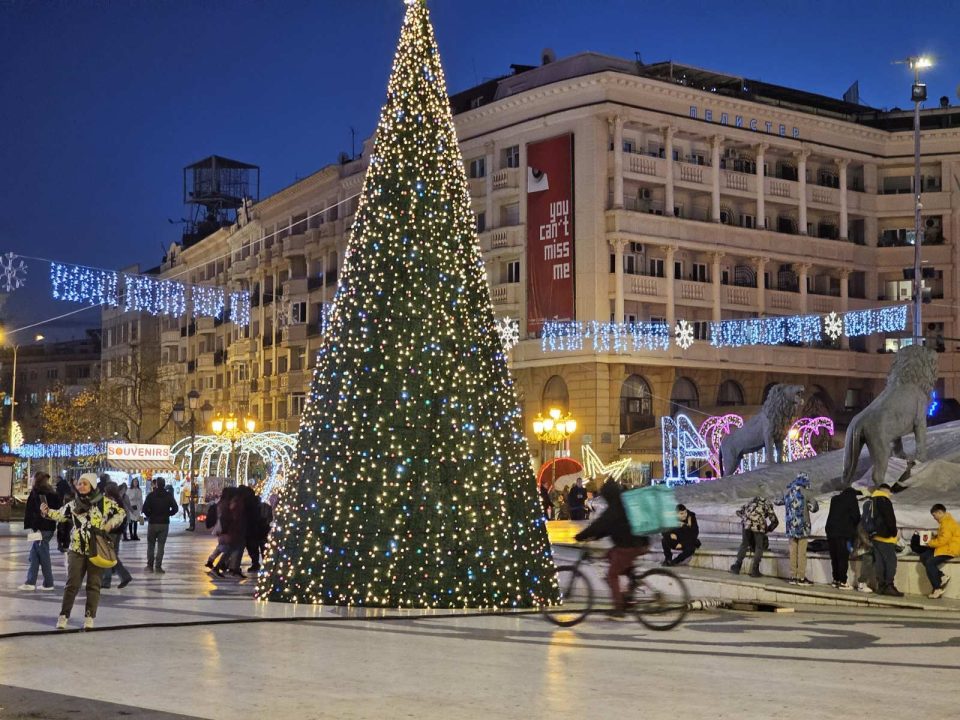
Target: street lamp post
pixel 231 428
pixel 554 429
pixel 193 400
pixel 918 94
pixel 13 389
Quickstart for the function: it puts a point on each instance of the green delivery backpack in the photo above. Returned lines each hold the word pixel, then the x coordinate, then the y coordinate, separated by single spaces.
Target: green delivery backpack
pixel 651 509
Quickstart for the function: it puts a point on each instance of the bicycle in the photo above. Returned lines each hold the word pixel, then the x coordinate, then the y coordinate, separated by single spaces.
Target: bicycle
pixel 657 596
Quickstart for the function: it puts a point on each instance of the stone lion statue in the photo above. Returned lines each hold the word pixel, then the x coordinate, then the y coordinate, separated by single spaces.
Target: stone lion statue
pixel 897 411
pixel 765 430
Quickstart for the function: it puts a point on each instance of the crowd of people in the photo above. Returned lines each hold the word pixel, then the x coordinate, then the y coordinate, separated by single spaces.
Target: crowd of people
pixel 858 526
pixel 77 513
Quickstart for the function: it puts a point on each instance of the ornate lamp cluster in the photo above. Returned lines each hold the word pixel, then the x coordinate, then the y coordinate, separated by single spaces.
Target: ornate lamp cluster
pixel 555 428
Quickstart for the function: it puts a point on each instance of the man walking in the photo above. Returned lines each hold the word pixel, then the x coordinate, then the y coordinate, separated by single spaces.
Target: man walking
pixel 882 526
pixel 158 508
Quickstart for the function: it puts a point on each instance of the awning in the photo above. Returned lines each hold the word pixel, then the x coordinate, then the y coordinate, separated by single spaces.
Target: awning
pixel 135 466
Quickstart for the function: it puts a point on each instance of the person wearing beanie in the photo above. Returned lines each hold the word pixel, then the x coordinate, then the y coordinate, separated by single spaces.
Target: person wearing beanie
pixel 798 503
pixel 88 509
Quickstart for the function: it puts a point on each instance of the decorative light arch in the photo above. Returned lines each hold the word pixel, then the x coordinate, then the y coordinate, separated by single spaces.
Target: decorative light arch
pixel 277 449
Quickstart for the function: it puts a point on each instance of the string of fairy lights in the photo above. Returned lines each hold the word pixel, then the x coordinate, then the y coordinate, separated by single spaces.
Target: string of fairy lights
pixel 412 485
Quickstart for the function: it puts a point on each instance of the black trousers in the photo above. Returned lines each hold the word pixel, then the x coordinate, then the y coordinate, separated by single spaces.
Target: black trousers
pixel 839 548
pixel 669 545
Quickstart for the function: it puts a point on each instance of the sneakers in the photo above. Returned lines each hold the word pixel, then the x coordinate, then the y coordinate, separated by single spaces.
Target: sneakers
pixel 735 569
pixel 208 564
pixel 804 581
pixel 793 581
pixel 892 591
pixel 45 588
pixel 160 571
pixel 124 583
pixel 944 579
pixel 62 622
pixel 88 623
pixel 756 574
pixel 864 588
pixel 149 568
pixel 936 594
pixel 843 586
pixel 27 588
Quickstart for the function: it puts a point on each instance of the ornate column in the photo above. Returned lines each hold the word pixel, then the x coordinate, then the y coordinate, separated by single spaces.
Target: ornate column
pixel 715 279
pixel 668 133
pixel 618 245
pixel 844 219
pixel 670 252
pixel 802 156
pixel 715 144
pixel 803 270
pixel 844 302
pixel 616 129
pixel 761 263
pixel 761 208
pixel 488 183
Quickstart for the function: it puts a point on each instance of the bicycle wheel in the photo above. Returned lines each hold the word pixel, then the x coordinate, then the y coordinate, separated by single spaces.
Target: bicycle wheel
pixel 576 598
pixel 660 599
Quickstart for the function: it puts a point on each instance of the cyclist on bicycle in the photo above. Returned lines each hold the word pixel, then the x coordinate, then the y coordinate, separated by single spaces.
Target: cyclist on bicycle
pixel 626 546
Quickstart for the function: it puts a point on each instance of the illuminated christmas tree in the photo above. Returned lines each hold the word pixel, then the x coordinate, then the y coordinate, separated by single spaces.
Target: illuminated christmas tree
pixel 413 485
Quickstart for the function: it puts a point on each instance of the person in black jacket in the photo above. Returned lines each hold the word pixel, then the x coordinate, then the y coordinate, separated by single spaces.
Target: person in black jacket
pixel 626 546
pixel 41 493
pixel 884 534
pixel 684 539
pixel 65 495
pixel 576 501
pixel 158 508
pixel 842 521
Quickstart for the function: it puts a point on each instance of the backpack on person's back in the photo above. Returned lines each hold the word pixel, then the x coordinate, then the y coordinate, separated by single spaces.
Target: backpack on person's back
pixel 211 520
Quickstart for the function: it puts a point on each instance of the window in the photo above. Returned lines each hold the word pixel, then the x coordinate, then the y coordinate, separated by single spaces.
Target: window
pixel 656 267
pixel 298 312
pixel 513 271
pixel 684 396
pixel 636 406
pixel 701 329
pixel 629 146
pixel 510 214
pixel 134 330
pixel 478 168
pixel 699 272
pixel 747 221
pixel 510 157
pixel 481 222
pixel 729 394
pixel 678 269
pixel 52 373
pixel 298 402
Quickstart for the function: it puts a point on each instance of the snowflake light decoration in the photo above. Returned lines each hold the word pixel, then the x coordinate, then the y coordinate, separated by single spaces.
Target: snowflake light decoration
pixel 684 334
pixel 509 331
pixel 833 325
pixel 12 272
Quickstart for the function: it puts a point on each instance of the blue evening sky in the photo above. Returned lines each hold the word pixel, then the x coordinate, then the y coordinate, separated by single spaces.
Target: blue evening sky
pixel 103 103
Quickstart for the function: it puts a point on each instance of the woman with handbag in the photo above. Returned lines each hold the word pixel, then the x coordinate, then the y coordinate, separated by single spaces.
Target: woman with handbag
pixel 115 493
pixel 91 516
pixel 41 531
pixel 135 496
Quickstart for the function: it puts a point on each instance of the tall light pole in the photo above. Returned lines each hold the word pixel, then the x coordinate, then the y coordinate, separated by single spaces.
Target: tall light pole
pixel 13 389
pixel 193 400
pixel 554 429
pixel 232 429
pixel 918 94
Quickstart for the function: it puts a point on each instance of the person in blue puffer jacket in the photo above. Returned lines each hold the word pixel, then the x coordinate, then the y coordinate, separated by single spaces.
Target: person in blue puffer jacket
pixel 798 503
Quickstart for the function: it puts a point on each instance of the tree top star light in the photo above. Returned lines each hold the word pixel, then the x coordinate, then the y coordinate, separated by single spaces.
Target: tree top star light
pixel 412 485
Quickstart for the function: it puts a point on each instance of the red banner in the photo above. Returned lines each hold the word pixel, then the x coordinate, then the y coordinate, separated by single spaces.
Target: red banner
pixel 550 289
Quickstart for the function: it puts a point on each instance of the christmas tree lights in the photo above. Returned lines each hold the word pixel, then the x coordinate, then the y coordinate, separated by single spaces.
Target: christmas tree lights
pixel 412 485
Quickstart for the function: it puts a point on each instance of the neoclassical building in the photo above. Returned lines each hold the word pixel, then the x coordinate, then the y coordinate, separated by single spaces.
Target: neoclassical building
pixel 677 194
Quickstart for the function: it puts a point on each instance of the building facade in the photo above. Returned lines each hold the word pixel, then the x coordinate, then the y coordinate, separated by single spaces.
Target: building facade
pixel 695 196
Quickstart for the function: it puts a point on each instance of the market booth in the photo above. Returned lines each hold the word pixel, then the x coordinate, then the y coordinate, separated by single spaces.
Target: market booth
pixel 145 461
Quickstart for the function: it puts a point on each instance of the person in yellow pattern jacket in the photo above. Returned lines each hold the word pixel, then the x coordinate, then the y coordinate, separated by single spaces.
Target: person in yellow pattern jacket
pixel 88 509
pixel 941 549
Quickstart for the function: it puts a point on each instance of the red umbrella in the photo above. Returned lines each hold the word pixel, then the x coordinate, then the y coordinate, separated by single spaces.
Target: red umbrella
pixel 565 466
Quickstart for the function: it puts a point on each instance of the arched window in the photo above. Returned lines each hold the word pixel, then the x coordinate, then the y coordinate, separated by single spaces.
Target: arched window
pixel 555 395
pixel 729 394
pixel 636 406
pixel 684 395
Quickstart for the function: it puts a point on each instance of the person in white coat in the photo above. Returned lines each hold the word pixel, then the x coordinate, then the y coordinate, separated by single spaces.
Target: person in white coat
pixel 135 496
